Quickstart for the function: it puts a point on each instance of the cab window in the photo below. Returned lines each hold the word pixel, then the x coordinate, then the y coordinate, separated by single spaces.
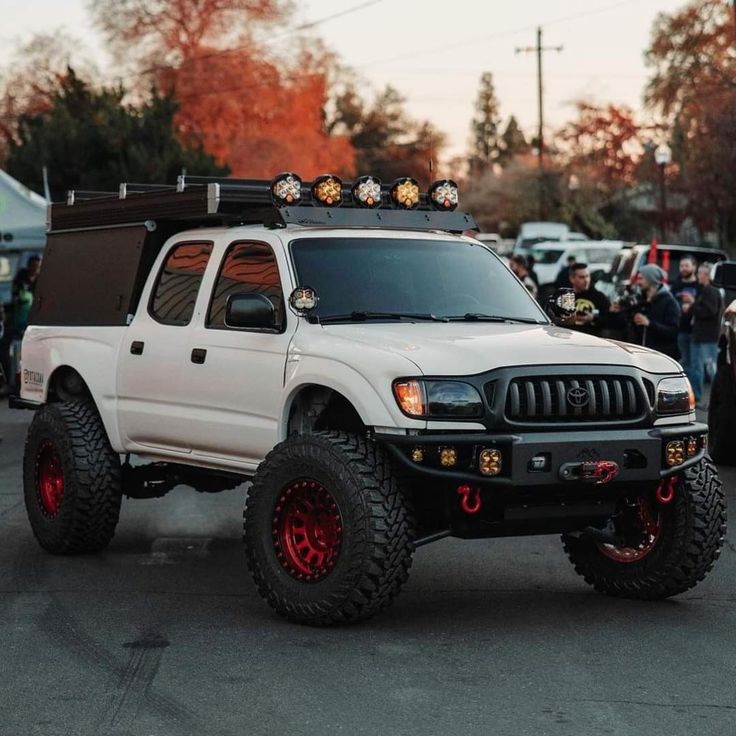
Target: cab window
pixel 178 283
pixel 247 268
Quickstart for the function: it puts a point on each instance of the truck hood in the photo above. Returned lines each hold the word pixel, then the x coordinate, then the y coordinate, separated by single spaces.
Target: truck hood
pixel 442 349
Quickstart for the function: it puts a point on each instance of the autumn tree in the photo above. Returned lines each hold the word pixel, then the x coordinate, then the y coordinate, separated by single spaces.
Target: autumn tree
pixel 513 142
pixel 387 141
pixel 693 88
pixel 485 141
pixel 603 142
pixel 91 139
pixel 258 111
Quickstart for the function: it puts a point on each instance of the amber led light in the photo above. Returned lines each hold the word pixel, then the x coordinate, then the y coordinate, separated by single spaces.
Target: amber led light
pixel 417 455
pixel 327 190
pixel 675 453
pixel 489 462
pixel 405 193
pixel 448 457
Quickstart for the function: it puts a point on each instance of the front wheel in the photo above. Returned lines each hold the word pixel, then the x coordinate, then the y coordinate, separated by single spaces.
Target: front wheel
pixel 668 548
pixel 328 533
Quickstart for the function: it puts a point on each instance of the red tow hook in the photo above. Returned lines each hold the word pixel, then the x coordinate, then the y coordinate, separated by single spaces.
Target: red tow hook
pixel 599 471
pixel 666 490
pixel 471 502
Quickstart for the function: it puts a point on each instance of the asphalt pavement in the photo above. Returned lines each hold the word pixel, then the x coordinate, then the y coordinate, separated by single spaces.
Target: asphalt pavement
pixel 164 635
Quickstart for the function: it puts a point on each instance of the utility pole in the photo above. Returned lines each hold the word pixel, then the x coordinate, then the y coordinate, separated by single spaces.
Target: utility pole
pixel 539 50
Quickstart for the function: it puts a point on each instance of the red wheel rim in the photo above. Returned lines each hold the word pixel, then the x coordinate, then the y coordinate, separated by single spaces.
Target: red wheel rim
pixel 649 523
pixel 307 531
pixel 49 478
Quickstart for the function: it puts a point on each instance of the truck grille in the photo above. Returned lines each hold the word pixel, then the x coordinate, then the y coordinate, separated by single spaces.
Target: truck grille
pixel 574 399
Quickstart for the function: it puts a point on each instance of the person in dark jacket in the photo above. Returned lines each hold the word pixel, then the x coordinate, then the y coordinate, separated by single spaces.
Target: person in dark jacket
pixel 685 289
pixel 706 310
pixel 656 322
pixel 591 305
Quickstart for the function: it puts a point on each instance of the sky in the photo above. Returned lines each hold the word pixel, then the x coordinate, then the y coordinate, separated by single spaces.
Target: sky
pixel 434 51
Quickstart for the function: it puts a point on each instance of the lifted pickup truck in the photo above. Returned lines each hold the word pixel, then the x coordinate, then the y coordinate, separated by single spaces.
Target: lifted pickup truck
pixel 384 381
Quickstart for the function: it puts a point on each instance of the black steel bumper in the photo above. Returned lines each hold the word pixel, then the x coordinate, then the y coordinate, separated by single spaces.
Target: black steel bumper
pixel 639 454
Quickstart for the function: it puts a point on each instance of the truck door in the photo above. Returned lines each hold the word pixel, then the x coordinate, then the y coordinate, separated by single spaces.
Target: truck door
pixel 237 379
pixel 155 407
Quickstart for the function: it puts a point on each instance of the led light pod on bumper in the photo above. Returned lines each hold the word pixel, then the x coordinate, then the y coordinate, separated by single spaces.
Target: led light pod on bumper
pixel 438 399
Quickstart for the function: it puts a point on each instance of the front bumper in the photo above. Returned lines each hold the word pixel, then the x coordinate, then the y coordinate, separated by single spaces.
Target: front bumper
pixel 639 455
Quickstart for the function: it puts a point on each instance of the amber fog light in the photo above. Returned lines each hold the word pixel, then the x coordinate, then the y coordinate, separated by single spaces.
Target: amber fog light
pixel 489 462
pixel 448 457
pixel 675 453
pixel 692 447
pixel 417 455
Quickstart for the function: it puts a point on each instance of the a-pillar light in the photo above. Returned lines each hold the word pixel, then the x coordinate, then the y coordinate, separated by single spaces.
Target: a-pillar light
pixel 443 195
pixel 286 189
pixel 327 191
pixel 405 193
pixel 367 192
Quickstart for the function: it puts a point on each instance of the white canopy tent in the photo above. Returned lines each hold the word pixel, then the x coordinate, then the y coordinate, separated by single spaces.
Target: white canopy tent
pixel 22 215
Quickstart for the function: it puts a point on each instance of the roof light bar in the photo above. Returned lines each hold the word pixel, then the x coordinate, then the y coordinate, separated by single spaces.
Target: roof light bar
pixel 327 191
pixel 367 192
pixel 286 188
pixel 443 195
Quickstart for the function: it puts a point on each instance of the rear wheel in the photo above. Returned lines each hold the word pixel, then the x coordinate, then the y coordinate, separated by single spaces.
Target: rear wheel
pixel 71 479
pixel 328 533
pixel 665 548
pixel 722 417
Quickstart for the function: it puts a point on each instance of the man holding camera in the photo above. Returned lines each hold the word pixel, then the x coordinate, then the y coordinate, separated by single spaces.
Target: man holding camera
pixel 655 321
pixel 591 305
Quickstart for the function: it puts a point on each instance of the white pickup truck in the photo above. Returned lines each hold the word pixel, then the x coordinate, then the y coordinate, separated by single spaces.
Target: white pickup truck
pixel 384 381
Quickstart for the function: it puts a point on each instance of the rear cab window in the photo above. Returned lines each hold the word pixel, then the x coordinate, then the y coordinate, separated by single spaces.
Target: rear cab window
pixel 177 286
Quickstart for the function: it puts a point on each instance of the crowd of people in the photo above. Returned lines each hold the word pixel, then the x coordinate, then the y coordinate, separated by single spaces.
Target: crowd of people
pixel 682 320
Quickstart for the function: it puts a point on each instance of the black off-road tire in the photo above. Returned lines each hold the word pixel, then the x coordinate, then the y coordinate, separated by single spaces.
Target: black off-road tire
pixel 377 529
pixel 90 504
pixel 722 417
pixel 690 541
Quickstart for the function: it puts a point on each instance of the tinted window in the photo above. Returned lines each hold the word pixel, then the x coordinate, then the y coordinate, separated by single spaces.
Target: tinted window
pixel 248 268
pixel 178 283
pixel 547 256
pixel 442 277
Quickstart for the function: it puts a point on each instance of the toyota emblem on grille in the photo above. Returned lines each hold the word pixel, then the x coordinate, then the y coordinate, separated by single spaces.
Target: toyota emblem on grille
pixel 578 397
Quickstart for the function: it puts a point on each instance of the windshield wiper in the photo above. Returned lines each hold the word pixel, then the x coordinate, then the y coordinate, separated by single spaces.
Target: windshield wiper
pixel 477 317
pixel 365 316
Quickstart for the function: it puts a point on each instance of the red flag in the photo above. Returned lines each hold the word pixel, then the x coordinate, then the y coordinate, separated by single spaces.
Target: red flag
pixel 652 251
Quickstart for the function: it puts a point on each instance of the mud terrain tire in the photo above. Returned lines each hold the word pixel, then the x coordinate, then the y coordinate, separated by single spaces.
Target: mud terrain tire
pixel 369 532
pixel 71 479
pixel 693 527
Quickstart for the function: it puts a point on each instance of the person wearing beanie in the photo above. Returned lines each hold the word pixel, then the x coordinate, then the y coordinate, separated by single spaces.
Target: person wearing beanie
pixel 657 322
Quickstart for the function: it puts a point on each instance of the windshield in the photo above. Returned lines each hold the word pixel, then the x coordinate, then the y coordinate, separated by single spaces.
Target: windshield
pixel 450 278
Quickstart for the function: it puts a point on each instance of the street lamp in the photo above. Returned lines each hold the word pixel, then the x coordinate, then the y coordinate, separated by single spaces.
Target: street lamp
pixel 663 156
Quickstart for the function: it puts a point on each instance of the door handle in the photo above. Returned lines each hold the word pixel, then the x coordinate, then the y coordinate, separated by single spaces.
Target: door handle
pixel 136 347
pixel 199 355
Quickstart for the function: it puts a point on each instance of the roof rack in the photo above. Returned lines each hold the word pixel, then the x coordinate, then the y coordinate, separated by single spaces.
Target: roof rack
pixel 199 201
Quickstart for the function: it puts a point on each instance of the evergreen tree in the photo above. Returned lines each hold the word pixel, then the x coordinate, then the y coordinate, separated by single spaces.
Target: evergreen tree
pixel 513 142
pixel 485 142
pixel 90 139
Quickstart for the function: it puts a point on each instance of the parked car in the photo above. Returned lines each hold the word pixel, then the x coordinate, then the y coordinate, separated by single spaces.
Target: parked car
pixel 532 233
pixel 625 267
pixel 549 258
pixel 722 403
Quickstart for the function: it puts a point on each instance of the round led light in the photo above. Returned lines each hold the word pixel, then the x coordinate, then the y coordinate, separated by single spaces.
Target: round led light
pixel 286 188
pixel 443 195
pixel 327 191
pixel 303 299
pixel 367 192
pixel 405 193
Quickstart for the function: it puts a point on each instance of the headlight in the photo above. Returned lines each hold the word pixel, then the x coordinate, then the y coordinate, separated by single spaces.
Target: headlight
pixel 438 399
pixel 675 396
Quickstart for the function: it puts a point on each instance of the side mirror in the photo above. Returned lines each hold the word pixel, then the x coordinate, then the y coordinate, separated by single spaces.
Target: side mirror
pixel 561 305
pixel 253 311
pixel 724 275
